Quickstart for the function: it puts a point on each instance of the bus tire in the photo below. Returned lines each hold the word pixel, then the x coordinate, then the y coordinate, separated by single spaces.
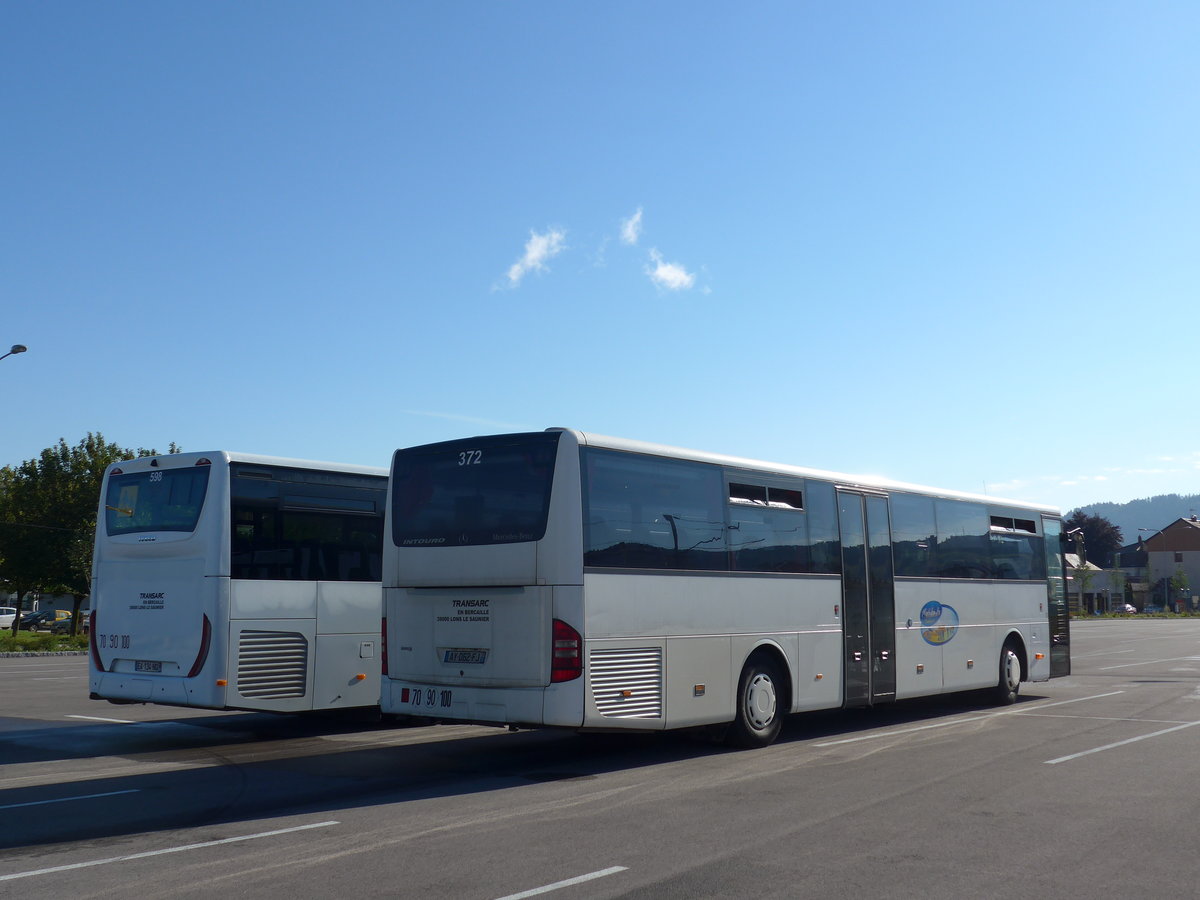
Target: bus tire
pixel 759 715
pixel 1009 683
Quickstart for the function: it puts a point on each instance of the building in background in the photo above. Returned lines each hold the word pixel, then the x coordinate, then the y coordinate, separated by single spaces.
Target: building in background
pixel 1173 565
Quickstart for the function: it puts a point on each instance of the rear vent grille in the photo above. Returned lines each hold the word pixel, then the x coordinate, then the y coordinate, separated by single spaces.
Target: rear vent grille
pixel 272 665
pixel 627 684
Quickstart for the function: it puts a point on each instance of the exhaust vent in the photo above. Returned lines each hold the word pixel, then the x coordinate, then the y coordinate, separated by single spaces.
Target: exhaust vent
pixel 627 684
pixel 272 665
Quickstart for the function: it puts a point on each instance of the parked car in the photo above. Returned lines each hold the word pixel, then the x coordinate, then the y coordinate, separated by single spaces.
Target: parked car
pixel 7 614
pixel 1124 608
pixel 63 626
pixel 43 619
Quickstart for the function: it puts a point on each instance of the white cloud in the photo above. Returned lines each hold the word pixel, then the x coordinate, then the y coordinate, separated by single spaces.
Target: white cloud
pixel 538 249
pixel 669 276
pixel 631 228
pixel 1006 487
pixel 599 260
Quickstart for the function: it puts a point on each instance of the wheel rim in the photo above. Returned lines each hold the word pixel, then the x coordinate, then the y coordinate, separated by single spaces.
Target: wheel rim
pixel 760 701
pixel 1012 671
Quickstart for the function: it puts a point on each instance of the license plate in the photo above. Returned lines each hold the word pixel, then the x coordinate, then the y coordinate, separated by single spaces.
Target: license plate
pixel 147 665
pixel 458 656
pixel 429 698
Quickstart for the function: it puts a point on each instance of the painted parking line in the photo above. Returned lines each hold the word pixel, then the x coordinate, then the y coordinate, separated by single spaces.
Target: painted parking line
pixel 1151 662
pixel 992 715
pixel 68 799
pixel 165 850
pixel 1144 737
pixel 103 719
pixel 545 889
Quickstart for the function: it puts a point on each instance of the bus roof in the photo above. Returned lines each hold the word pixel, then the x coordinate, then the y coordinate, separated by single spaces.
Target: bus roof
pixel 866 482
pixel 229 456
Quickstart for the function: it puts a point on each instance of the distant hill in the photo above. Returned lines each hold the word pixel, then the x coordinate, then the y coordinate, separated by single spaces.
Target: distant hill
pixel 1152 512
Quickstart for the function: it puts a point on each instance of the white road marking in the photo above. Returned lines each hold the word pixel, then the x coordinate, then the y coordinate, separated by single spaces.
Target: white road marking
pixel 1150 662
pixel 562 884
pixel 67 799
pixel 149 853
pixel 1052 762
pixel 1108 719
pixel 892 733
pixel 102 719
pixel 1006 712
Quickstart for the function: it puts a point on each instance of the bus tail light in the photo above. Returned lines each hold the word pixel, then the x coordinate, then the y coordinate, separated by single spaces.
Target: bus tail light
pixel 205 644
pixel 96 661
pixel 567 661
pixel 383 647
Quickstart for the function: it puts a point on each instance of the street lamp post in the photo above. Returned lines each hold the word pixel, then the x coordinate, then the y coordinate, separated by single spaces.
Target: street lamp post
pixel 16 348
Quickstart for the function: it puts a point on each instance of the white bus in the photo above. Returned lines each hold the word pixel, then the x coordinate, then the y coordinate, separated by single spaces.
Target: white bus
pixel 230 581
pixel 568 579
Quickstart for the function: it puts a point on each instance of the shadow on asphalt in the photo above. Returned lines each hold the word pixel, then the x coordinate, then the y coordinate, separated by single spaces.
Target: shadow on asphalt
pixel 224 779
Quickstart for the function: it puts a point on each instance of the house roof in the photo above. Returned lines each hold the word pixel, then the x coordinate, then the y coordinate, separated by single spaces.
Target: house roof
pixel 1182 534
pixel 1073 561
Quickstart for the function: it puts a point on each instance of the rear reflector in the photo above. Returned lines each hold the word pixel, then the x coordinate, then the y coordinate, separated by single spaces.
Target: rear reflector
pixel 383 648
pixel 566 662
pixel 205 644
pixel 96 661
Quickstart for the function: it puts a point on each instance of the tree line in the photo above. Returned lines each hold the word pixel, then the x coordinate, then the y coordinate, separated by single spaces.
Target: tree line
pixel 1100 538
pixel 48 519
pixel 48 511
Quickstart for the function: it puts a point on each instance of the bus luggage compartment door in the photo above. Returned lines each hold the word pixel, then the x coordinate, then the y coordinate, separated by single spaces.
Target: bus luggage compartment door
pixel 485 636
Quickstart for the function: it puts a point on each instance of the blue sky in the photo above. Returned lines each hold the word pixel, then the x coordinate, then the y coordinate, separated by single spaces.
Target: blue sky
pixel 950 243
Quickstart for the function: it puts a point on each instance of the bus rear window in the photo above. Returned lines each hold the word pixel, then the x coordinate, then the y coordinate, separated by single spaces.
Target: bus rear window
pixel 156 500
pixel 489 490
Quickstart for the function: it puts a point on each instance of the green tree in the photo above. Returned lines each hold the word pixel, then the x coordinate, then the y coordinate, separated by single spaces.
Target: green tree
pixel 1084 576
pixel 1179 585
pixel 1101 538
pixel 48 518
pixel 1117 581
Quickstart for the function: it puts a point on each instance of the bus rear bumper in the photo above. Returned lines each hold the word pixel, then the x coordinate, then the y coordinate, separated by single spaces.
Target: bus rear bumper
pixel 500 706
pixel 166 689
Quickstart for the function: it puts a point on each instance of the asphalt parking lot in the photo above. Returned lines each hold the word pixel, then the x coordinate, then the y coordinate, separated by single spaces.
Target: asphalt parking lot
pixel 1084 788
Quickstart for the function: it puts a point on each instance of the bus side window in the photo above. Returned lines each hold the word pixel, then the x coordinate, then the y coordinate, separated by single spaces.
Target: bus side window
pixel 652 513
pixel 914 534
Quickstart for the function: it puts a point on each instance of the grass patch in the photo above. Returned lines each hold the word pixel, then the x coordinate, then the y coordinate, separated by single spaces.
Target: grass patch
pixel 40 642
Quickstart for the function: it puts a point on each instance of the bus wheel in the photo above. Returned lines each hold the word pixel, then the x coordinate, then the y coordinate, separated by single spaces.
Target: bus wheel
pixel 1010 676
pixel 758 714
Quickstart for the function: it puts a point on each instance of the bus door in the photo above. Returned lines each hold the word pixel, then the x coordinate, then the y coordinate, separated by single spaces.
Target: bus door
pixel 1059 614
pixel 868 600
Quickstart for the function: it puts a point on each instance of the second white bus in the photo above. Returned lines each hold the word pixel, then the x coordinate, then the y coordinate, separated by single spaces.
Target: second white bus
pixel 231 581
pixel 568 579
